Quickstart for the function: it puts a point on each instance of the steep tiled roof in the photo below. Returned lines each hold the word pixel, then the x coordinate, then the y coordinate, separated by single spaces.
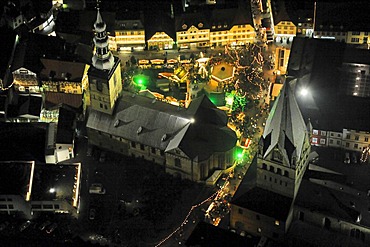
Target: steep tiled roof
pixel 159 23
pixel 32 47
pixel 279 11
pixel 198 20
pixel 198 131
pixel 318 65
pixel 59 70
pixel 265 202
pixel 285 126
pixel 54 98
pixel 342 16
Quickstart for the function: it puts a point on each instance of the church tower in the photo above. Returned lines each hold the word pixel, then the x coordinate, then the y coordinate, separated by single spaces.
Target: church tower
pixel 284 146
pixel 104 74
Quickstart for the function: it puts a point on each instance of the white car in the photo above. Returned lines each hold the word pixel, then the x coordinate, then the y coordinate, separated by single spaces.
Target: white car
pixel 24 225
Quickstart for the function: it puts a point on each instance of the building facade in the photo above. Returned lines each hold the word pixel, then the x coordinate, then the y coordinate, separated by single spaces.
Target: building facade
pixel 104 74
pixel 282 159
pixel 129 35
pixel 164 134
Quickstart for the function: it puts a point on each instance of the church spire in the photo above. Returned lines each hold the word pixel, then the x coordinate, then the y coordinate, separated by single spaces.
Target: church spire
pixel 285 127
pixel 103 58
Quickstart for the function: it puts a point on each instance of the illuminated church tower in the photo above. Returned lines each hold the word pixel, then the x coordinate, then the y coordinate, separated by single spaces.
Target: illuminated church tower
pixel 284 147
pixel 104 75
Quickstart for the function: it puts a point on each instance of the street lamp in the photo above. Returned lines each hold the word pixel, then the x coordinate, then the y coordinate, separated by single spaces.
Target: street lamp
pixel 304 92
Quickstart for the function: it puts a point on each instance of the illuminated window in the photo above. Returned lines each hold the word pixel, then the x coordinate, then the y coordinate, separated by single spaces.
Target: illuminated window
pixel 277 223
pixel 259 229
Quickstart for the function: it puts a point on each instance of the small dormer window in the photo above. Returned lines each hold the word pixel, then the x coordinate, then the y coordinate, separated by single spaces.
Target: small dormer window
pixel 116 123
pixel 164 137
pixel 200 25
pixel 184 26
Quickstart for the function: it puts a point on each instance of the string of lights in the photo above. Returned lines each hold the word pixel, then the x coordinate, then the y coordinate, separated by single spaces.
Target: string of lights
pixel 215 195
pixel 186 218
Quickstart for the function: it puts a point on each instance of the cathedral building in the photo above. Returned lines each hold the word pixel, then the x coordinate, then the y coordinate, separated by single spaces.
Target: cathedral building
pixel 266 209
pixel 189 143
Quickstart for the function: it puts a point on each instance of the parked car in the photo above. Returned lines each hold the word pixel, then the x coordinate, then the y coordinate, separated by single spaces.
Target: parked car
pixel 43 225
pixel 92 214
pixel 24 225
pixel 103 157
pixel 96 188
pixel 89 152
pixel 346 158
pixel 51 228
pixel 4 225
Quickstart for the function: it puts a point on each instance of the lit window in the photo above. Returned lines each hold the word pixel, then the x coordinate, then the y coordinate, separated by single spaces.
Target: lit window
pixel 277 222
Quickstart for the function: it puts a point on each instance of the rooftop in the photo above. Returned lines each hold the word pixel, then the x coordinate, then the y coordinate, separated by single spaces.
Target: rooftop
pixel 54 182
pixel 255 199
pixel 164 126
pixel 15 178
pixel 335 188
pixel 207 235
pixel 315 64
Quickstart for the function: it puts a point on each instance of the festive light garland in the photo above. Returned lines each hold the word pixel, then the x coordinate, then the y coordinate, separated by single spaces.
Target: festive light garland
pixel 216 196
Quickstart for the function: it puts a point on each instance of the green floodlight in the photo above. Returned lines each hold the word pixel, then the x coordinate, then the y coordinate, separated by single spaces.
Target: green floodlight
pixel 239 155
pixel 141 81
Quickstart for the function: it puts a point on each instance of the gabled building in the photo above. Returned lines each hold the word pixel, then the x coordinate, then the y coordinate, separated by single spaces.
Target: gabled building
pixel 192 30
pixel 129 35
pixel 266 209
pixel 343 22
pixel 231 27
pixel 26 15
pixel 62 76
pixel 60 137
pixel 284 28
pixel 23 107
pixel 160 32
pixel 190 143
